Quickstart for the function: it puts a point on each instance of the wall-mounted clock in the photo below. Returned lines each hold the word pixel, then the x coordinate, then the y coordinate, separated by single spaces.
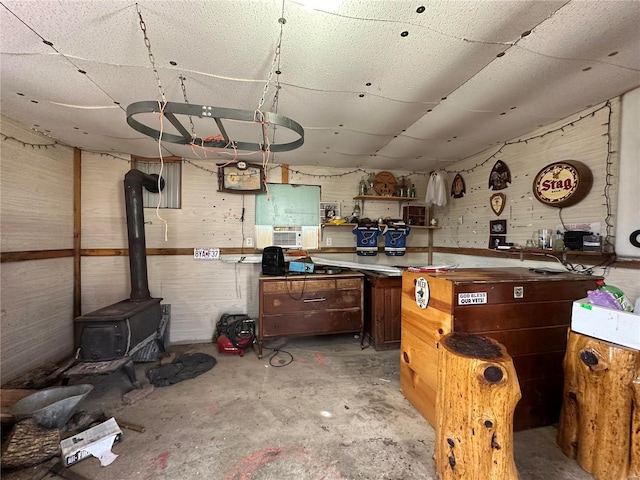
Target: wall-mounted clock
pixel 497 202
pixel 564 183
pixel 385 184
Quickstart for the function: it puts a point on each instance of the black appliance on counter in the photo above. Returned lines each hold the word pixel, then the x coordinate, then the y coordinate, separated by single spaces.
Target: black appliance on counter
pixel 573 239
pixel 128 326
pixel 273 261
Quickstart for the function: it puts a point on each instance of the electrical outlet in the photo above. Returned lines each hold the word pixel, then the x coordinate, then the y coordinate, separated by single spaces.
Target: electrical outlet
pixel 248 242
pixel 206 253
pixel 518 292
pixel 329 241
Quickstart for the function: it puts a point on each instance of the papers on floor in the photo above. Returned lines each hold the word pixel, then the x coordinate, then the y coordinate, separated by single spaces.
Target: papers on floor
pixel 96 441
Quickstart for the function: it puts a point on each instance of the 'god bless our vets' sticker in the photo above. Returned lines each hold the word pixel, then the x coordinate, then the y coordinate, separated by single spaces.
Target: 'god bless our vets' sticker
pixel 472 298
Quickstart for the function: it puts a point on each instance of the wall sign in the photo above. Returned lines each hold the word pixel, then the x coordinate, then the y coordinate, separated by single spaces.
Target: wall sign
pixel 385 184
pixel 240 177
pixel 561 184
pixel 499 176
pixel 458 188
pixel 497 202
pixel 422 292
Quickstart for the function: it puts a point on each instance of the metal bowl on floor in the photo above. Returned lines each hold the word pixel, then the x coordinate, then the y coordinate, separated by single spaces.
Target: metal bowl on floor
pixel 51 407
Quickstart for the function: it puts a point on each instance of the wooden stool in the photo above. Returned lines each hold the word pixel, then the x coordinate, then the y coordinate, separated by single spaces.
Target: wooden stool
pixel 600 416
pixel 477 394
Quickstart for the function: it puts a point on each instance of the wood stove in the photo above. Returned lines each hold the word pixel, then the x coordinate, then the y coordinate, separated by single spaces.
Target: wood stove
pixel 121 329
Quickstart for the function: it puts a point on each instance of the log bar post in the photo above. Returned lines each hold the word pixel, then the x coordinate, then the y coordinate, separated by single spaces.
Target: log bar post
pixel 600 416
pixel 477 394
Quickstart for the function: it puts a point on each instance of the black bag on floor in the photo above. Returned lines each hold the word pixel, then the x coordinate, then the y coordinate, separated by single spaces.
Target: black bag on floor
pixel 186 366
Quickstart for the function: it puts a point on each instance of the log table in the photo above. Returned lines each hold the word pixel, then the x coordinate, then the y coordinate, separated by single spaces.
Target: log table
pixel 600 415
pixel 477 395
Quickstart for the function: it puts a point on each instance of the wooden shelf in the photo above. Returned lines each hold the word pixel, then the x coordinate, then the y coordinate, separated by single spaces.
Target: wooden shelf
pixel 382 198
pixel 419 227
pixel 538 254
pixel 385 198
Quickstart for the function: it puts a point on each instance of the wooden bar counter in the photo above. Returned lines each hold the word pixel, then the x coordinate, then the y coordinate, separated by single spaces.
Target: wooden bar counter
pixel 527 312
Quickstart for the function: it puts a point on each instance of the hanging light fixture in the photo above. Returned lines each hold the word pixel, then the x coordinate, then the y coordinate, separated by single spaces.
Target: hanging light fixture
pixel 172 111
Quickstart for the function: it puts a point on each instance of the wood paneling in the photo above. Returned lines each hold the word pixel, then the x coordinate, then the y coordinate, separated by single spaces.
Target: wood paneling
pixel 383 297
pixel 421 395
pixel 37 193
pixel 103 212
pixel 77 230
pixel 37 309
pixel 533 328
pixel 585 141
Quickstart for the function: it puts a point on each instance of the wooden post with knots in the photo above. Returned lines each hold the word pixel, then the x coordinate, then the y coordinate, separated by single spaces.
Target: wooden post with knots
pixel 477 394
pixel 600 416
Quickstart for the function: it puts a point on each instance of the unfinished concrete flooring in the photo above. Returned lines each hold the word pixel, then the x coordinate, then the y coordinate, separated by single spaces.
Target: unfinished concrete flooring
pixel 334 413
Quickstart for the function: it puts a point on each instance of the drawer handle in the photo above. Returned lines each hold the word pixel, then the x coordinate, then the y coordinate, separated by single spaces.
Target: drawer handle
pixel 309 300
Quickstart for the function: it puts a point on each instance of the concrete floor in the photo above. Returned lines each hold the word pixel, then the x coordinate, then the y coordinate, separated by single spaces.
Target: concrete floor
pixel 335 413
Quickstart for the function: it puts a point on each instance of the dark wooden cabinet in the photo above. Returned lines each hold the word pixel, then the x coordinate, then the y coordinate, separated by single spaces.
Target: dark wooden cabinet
pixel 382 300
pixel 314 304
pixel 414 215
pixel 528 312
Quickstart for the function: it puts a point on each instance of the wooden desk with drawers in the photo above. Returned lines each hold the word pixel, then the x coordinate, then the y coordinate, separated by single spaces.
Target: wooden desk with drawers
pixel 310 304
pixel 527 312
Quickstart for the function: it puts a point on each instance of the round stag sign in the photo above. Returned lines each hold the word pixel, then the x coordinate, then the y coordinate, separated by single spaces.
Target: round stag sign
pixel 561 184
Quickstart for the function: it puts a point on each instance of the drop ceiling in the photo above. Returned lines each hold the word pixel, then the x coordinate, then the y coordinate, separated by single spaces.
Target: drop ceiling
pixel 375 84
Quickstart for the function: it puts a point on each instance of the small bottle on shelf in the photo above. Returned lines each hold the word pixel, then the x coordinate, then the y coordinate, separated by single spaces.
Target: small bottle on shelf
pixel 412 191
pixel 362 187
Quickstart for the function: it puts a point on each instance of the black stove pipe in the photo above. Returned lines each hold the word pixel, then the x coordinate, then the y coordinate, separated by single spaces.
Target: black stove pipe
pixel 134 180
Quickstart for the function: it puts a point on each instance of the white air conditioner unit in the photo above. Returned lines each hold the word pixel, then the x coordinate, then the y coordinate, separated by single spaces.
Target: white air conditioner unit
pixel 287 237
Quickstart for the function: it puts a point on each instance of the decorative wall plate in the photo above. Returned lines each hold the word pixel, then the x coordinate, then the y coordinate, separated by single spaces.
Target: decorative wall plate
pixel 497 202
pixel 458 188
pixel 385 184
pixel 499 176
pixel 561 184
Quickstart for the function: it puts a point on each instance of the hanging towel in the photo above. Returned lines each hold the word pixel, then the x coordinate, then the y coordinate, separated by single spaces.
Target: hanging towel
pixel 436 190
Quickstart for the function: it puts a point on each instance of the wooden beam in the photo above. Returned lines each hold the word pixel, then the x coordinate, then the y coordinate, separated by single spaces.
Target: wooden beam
pixel 77 231
pixel 35 255
pixel 540 255
pixel 284 168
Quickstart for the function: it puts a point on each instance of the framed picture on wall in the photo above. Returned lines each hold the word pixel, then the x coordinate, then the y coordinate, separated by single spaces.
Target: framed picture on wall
pixel 329 211
pixel 498 227
pixel 241 177
pixel 496 240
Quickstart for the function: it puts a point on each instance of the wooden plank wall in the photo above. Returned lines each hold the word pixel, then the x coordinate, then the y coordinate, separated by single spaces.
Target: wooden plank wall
pixel 37 215
pixel 585 141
